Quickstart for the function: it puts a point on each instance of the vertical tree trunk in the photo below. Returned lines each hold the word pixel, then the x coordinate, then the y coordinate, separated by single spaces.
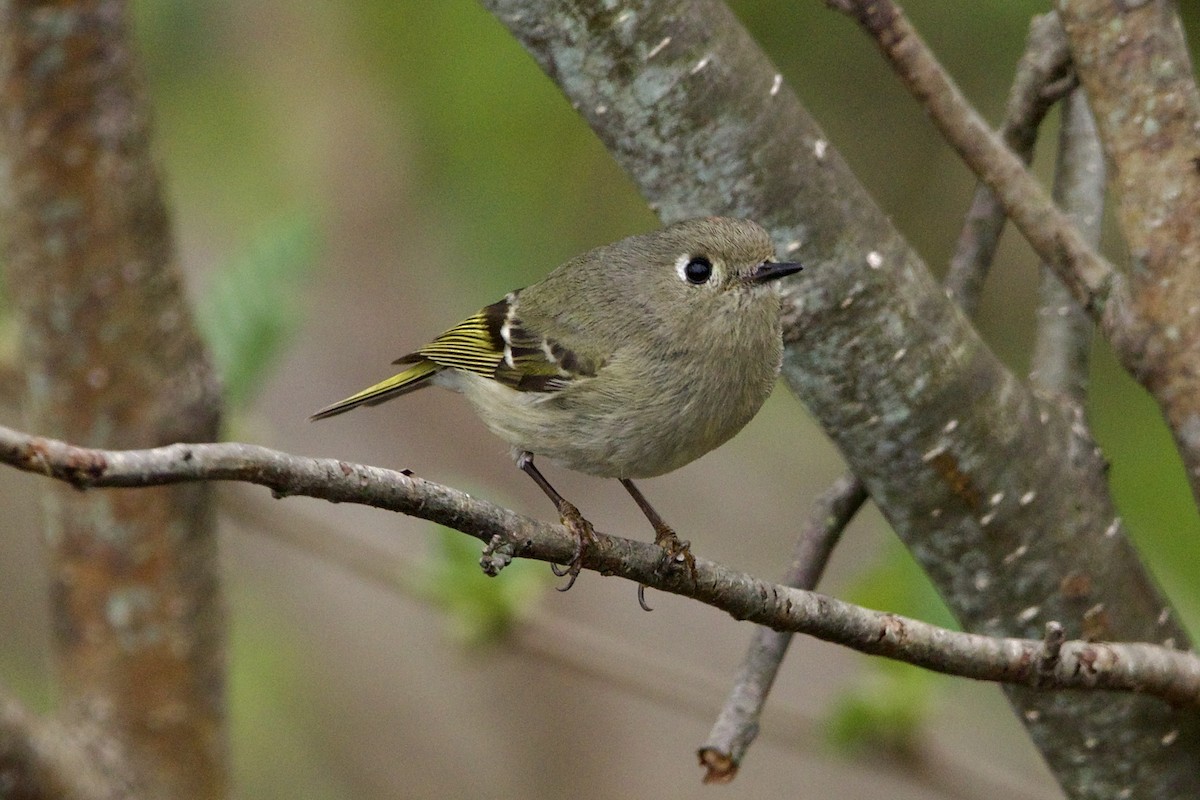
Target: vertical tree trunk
pixel 112 359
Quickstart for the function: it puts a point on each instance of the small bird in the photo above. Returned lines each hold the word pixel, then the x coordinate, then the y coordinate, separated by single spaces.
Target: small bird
pixel 628 361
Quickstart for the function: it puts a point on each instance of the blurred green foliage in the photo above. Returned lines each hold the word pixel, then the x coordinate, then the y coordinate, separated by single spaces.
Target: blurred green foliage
pixel 214 126
pixel 888 704
pixel 254 303
pixel 884 713
pixel 269 759
pixel 896 583
pixel 514 169
pixel 1148 481
pixel 479 609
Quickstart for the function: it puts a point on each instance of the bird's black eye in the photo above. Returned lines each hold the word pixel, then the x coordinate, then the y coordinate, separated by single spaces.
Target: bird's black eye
pixel 698 270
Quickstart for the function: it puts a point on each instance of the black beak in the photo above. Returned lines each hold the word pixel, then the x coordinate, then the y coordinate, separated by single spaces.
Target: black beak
pixel 771 270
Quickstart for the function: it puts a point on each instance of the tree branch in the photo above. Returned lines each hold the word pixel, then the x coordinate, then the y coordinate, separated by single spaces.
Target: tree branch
pixel 1042 75
pixel 1093 281
pixel 1150 669
pixel 1133 61
pixel 613 660
pixel 1064 332
pixel 737 725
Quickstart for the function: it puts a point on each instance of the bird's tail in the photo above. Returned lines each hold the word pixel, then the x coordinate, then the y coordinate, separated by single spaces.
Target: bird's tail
pixel 411 379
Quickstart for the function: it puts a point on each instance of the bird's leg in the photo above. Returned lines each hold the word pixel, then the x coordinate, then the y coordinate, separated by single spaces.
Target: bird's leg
pixel 675 550
pixel 575 522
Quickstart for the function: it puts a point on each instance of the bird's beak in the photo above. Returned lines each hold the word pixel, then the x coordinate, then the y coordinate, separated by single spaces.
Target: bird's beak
pixel 772 270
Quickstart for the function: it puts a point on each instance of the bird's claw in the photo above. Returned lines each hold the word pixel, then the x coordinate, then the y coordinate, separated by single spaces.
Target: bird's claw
pixel 676 552
pixel 585 536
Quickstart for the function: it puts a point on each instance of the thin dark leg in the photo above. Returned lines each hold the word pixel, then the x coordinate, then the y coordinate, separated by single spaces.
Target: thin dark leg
pixel 662 531
pixel 571 517
pixel 675 551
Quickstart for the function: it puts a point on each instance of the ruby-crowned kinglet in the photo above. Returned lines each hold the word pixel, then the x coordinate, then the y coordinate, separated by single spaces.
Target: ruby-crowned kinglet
pixel 628 361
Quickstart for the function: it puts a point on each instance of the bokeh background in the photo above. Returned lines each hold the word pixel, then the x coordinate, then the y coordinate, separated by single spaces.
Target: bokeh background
pixel 348 179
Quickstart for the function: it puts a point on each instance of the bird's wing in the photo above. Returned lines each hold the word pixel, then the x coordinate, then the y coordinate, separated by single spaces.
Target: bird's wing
pixel 496 343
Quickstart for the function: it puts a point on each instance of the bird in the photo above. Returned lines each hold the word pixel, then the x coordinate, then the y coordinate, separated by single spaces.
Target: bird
pixel 628 361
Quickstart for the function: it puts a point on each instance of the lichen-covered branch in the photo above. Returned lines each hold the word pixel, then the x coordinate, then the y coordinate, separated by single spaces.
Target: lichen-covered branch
pixel 1166 673
pixel 1003 503
pixel 1133 61
pixel 1042 77
pixel 109 357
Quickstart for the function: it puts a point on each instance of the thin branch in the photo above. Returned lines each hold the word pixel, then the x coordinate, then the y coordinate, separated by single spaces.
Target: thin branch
pixel 1042 76
pixel 1064 332
pixel 1093 281
pixel 736 726
pixel 1171 675
pixel 73 758
pixel 830 515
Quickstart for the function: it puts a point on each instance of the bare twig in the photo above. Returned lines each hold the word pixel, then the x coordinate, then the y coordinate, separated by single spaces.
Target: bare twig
pixel 830 515
pixel 737 725
pixel 1037 85
pixel 592 654
pixel 1092 280
pixel 1169 674
pixel 1064 332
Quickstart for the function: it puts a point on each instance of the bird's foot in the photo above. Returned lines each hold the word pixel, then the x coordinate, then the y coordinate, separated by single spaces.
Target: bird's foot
pixel 676 552
pixel 585 536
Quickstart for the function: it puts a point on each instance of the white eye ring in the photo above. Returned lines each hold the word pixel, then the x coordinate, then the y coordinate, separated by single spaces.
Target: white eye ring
pixel 696 270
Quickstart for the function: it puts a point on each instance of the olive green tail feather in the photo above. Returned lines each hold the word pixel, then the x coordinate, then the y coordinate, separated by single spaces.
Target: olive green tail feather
pixel 411 379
